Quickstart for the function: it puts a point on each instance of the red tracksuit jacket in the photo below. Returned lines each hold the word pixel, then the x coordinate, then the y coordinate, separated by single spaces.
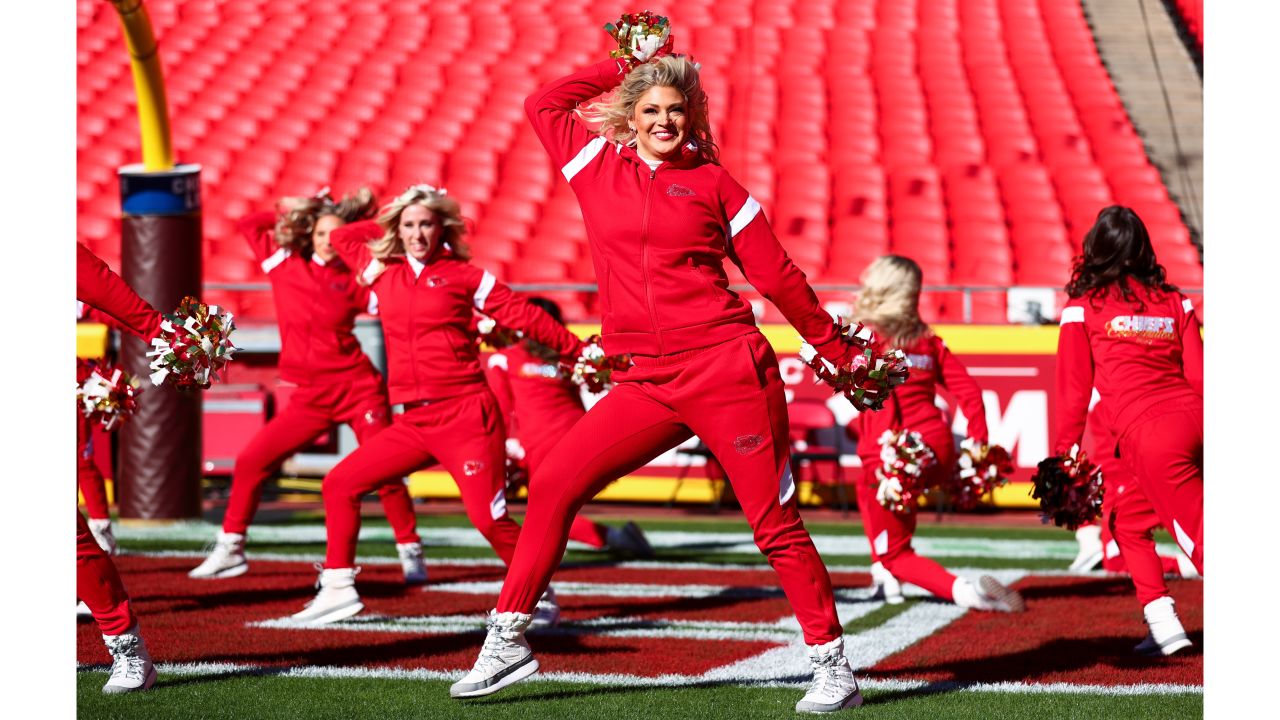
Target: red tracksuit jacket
pixel 537 399
pixel 659 238
pixel 427 317
pixel 98 287
pixel 316 307
pixel 1137 357
pixel 912 404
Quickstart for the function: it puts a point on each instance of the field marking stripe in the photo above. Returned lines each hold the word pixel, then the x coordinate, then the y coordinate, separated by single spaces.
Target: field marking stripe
pixel 619 564
pixel 215 669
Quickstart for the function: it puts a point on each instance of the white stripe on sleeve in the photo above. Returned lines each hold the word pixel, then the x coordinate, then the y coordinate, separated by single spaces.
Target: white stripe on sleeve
pixel 272 262
pixel 373 303
pixel 1186 305
pixel 1073 314
pixel 749 210
pixel 498 360
pixel 372 271
pixel 486 287
pixel 584 156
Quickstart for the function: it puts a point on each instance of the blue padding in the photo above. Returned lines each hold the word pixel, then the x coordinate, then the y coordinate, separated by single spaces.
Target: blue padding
pixel 169 192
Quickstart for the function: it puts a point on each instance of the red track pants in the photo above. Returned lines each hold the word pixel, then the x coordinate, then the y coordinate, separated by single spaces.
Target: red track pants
pixel 98 584
pixel 890 533
pixel 1165 449
pixel 312 410
pixel 731 396
pixel 1129 520
pixel 462 433
pixel 92 486
pixel 583 530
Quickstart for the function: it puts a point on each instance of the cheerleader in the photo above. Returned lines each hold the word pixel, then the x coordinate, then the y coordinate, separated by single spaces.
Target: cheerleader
pixel 415 258
pixel 93 487
pixel 889 305
pixel 1137 339
pixel 98 584
pixel 539 406
pixel 662 217
pixel 317 300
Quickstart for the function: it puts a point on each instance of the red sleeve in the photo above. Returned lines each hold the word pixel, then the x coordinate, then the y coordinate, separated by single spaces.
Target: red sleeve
pixel 1074 378
pixel 98 287
pixel 1192 347
pixel 754 248
pixel 956 378
pixel 510 310
pixel 551 109
pixel 91 314
pixel 496 371
pixel 351 242
pixel 258 230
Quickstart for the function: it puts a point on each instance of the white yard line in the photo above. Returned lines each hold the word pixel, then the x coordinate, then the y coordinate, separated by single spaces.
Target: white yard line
pixel 332 672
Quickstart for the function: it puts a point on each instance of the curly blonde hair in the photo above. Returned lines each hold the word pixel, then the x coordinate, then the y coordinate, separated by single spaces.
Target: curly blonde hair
pixel 890 300
pixel 673 71
pixel 447 211
pixel 295 227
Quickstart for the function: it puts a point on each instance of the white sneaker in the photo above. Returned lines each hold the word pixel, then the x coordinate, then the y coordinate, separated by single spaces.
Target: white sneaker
pixel 990 594
pixel 504 659
pixel 833 688
pixel 101 529
pixel 226 560
pixel 547 612
pixel 131 667
pixel 411 562
pixel 628 539
pixel 1090 539
pixel 885 584
pixel 1167 635
pixel 336 600
pixel 83 610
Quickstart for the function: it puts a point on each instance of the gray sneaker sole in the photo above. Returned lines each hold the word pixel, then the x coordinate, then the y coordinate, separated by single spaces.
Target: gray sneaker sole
pixel 513 674
pixel 120 689
pixel 852 701
pixel 1172 646
pixel 1007 595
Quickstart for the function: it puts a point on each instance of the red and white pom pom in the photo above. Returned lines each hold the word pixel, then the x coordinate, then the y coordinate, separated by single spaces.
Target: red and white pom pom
pixel 904 458
pixel 640 36
pixel 108 395
pixel 193 345
pixel 980 469
pixel 869 377
pixel 594 369
pixel 1069 488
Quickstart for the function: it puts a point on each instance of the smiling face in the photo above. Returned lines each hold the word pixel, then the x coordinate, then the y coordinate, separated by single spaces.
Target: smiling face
pixel 320 236
pixel 660 122
pixel 419 230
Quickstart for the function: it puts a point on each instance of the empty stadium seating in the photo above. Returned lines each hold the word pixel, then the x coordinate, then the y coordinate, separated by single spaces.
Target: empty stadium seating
pixel 979 137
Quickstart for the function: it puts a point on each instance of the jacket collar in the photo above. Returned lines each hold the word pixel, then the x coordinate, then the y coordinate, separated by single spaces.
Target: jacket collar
pixel 689 156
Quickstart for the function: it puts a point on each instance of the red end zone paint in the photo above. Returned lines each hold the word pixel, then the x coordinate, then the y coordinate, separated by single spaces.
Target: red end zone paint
pixel 185 620
pixel 1075 630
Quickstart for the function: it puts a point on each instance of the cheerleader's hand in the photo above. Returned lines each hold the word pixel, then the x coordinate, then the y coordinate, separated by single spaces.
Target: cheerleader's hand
pixel 889 492
pixel 652 46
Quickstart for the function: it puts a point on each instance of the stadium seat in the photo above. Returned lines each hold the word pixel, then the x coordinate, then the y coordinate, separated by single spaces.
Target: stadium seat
pixel 930 124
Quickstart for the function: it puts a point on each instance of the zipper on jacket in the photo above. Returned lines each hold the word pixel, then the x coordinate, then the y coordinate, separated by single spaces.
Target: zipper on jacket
pixel 644 260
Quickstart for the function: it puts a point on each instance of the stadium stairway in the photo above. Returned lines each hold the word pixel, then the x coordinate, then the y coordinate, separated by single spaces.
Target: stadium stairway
pixel 1127 33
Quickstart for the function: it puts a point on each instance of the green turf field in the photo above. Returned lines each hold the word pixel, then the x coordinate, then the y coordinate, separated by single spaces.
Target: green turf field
pixel 948 664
